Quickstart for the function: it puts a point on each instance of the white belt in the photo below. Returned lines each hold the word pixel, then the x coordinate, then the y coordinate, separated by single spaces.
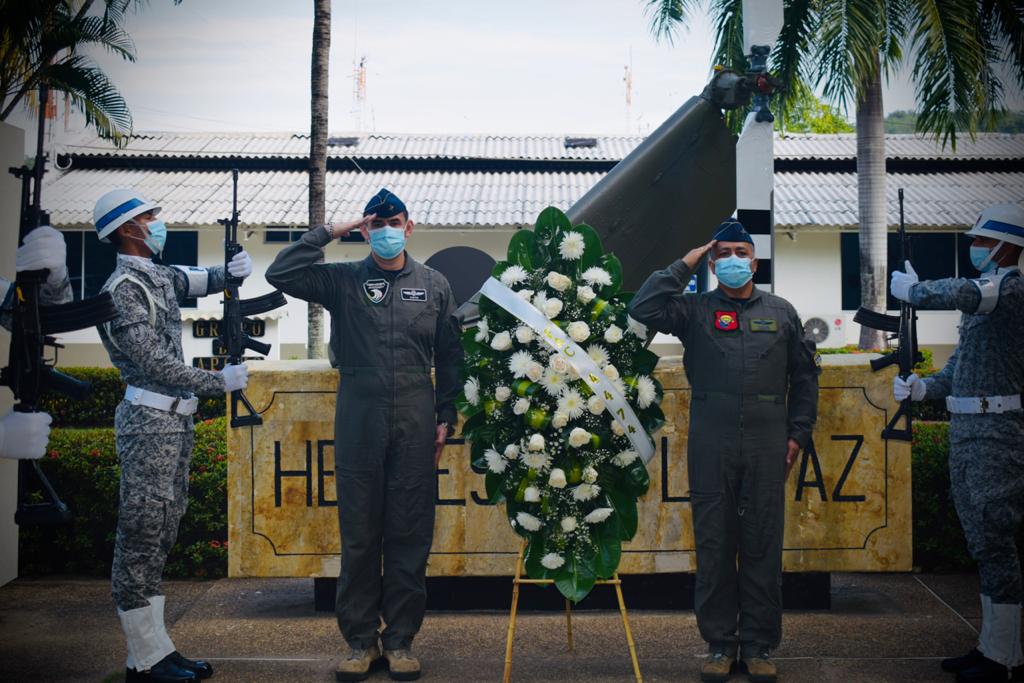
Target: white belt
pixel 983 404
pixel 168 404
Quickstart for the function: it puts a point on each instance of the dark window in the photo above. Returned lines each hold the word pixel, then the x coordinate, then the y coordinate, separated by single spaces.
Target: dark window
pixel 100 259
pixel 935 255
pixel 282 236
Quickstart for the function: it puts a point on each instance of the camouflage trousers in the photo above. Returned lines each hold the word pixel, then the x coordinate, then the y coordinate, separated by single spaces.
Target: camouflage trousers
pixel 154 496
pixel 990 522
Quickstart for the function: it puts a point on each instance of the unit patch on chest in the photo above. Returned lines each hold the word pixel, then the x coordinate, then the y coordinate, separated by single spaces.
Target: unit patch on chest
pixel 726 321
pixel 764 325
pixel 376 290
pixel 414 294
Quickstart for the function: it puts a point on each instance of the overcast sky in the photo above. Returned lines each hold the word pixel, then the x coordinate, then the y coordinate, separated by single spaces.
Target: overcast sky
pixel 439 66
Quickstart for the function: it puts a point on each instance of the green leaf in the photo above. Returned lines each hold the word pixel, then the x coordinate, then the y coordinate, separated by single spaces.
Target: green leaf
pixel 477 462
pixel 520 249
pixel 465 407
pixel 494 483
pixel 535 551
pixel 625 507
pixel 644 362
pixel 611 263
pixel 592 250
pixel 549 222
pixel 637 478
pixel 575 579
pixel 652 418
pixel 609 548
pixel 471 426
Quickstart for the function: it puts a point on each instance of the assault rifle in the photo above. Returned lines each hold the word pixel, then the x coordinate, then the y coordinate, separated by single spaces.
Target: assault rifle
pixel 29 373
pixel 902 328
pixel 232 338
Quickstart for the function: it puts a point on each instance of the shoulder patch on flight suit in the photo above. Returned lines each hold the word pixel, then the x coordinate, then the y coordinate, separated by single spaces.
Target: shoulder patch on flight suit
pixel 726 321
pixel 414 294
pixel 376 290
pixel 764 325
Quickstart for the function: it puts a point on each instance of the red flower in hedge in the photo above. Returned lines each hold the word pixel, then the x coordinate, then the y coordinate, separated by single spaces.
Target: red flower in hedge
pixel 54 454
pixel 94 453
pixel 215 544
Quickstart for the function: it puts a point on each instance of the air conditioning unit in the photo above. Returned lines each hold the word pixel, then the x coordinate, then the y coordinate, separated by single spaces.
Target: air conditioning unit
pixel 826 330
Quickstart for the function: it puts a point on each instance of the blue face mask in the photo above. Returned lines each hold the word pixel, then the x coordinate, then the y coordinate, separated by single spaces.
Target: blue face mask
pixel 733 271
pixel 156 236
pixel 980 259
pixel 387 242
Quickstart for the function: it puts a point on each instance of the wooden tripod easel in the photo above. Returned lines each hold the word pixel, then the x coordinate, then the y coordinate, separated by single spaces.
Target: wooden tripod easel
pixel 519 580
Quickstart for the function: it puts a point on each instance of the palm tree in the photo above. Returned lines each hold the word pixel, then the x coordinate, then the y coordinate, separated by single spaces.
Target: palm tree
pixel 955 47
pixel 41 43
pixel 319 71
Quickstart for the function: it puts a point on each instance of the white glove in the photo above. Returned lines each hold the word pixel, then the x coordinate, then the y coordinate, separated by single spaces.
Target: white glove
pixel 913 386
pixel 236 377
pixel 44 248
pixel 240 265
pixel 23 436
pixel 902 282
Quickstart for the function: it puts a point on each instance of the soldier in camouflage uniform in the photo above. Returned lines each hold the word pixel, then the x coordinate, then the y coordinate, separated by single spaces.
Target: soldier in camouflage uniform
pixel 153 424
pixel 982 385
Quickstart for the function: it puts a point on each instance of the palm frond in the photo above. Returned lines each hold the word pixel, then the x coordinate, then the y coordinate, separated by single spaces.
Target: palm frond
pixel 1004 31
pixel 789 59
pixel 93 94
pixel 668 16
pixel 850 36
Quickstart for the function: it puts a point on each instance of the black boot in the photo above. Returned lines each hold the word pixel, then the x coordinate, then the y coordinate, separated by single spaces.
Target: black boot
pixel 954 664
pixel 984 671
pixel 203 670
pixel 164 671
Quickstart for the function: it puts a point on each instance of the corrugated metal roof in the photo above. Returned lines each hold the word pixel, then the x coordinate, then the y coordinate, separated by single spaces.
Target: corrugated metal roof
pixel 487 200
pixel 533 147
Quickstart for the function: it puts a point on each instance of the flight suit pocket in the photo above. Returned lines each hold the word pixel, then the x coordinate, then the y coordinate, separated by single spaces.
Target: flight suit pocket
pixel 762 519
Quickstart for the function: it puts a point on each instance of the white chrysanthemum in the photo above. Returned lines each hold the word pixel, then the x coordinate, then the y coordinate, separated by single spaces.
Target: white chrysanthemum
pixel 568 524
pixel 571 403
pixel 552 307
pixel 502 341
pixel 559 364
pixel 472 390
pixel 578 330
pixel 521 406
pixel 572 246
pixel 536 442
pixel 537 461
pixel 611 372
pixel 558 282
pixel 528 521
pixel 531 494
pixel 483 333
pixel 597 276
pixel 495 463
pixel 557 479
pixel 518 363
pixel 595 404
pixel 525 294
pixel 513 275
pixel 637 329
pixel 585 294
pixel 539 299
pixel 598 354
pixel 579 437
pixel 597 516
pixel 534 371
pixel 625 458
pixel 512 451
pixel 502 393
pixel 559 420
pixel 613 335
pixel 585 492
pixel 524 334
pixel 552 561
pixel 617 428
pixel 645 391
pixel 553 382
pixel 589 475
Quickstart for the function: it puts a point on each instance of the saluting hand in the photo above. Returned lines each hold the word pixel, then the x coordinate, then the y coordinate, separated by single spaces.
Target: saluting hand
pixel 792 450
pixel 345 228
pixel 695 255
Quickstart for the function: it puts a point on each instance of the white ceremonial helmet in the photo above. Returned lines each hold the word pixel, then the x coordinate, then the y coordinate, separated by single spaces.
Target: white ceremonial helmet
pixel 1003 222
pixel 116 208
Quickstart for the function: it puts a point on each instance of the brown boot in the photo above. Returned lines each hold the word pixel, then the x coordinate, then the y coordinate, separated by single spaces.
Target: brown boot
pixel 356 665
pixel 402 666
pixel 760 666
pixel 718 666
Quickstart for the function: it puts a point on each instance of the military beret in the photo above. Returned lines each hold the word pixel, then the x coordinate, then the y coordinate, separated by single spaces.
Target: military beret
pixel 385 204
pixel 731 230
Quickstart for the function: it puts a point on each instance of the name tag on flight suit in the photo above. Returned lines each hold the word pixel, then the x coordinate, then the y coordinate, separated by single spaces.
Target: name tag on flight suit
pixel 376 290
pixel 412 294
pixel 764 325
pixel 726 321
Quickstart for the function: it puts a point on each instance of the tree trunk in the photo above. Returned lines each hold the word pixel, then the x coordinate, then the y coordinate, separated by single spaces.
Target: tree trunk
pixel 319 71
pixel 872 209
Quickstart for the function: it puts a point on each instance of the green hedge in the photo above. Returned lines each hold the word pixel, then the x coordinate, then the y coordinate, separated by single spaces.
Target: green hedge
pixel 82 464
pixel 107 392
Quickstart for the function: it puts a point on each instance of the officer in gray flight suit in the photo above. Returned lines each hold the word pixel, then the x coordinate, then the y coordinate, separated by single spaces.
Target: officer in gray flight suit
pixel 754 401
pixel 153 424
pixel 982 384
pixel 392 318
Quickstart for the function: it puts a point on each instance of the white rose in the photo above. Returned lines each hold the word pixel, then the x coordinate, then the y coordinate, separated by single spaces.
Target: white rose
pixel 511 451
pixel 525 294
pixel 613 335
pixel 559 420
pixel 578 330
pixel 559 364
pixel 578 437
pixel 618 428
pixel 534 371
pixel 528 521
pixel 595 404
pixel 590 475
pixel 502 393
pixel 558 282
pixel 524 334
pixel 552 307
pixel 502 341
pixel 536 443
pixel 552 561
pixel 611 372
pixel 521 406
pixel 569 524
pixel 531 494
pixel 597 516
pixel 557 479
pixel 585 294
